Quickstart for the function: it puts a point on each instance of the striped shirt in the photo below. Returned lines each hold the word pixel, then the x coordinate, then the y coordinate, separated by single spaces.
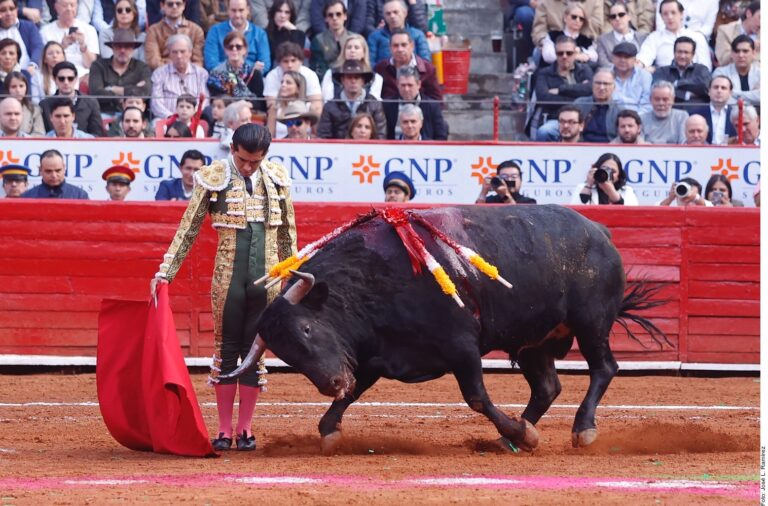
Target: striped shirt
pixel 168 83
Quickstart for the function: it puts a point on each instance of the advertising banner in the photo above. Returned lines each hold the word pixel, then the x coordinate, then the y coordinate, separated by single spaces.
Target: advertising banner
pixel 448 172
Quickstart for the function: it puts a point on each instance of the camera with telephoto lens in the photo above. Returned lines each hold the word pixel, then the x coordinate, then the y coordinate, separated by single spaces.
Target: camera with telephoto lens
pixel 683 190
pixel 601 175
pixel 497 181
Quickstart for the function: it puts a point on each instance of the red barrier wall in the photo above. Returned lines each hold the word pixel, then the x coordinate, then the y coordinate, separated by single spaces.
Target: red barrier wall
pixel 59 260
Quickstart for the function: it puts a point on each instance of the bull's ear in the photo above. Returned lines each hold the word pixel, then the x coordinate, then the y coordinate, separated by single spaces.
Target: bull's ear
pixel 316 296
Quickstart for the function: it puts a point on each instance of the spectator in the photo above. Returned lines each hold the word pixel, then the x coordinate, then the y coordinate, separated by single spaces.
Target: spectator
pixel 621 32
pixel 235 114
pixel 506 184
pixel 690 79
pixel 398 187
pixel 54 186
pixel 155 13
pixel 178 77
pixel 212 12
pixel 15 180
pixel 658 48
pixel 750 126
pixel 86 109
pixel 30 10
pixel 700 16
pixel 718 113
pixel 337 115
pixel 126 17
pixel 178 129
pixel 520 14
pixel 355 48
pixel 748 25
pixel 744 72
pixel 281 27
pixel 410 119
pixel 718 190
pixel 260 13
pixel 9 62
pixel 663 124
pixel 684 193
pixel 629 127
pixel 133 124
pixel 292 88
pixel 24 32
pixel 356 11
pixel 326 45
pixel 298 120
pixel 362 127
pixel 409 92
pixel 78 39
pixel 395 12
pixel 570 123
pixel 186 113
pixel 116 127
pixel 10 118
pixel 181 188
pixel 402 55
pixel 549 17
pixel 564 82
pixel 633 83
pixel 62 119
pixel 640 13
pixel 53 53
pixel 417 16
pixel 157 47
pixel 696 130
pixel 575 26
pixel 31 114
pixel 118 178
pixel 257 50
pixel 235 77
pixel 121 74
pixel 214 115
pixel 290 57
pixel 606 184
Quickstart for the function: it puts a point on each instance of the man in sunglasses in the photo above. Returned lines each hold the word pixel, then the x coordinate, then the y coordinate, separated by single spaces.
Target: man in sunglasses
pixel 258 42
pixel 619 29
pixel 298 120
pixel 87 112
pixel 121 74
pixel 156 50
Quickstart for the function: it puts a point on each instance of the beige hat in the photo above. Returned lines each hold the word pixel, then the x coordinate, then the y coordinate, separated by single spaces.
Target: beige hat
pixel 295 110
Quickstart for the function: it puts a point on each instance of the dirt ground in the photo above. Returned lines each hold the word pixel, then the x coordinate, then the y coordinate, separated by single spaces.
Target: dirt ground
pixel 662 440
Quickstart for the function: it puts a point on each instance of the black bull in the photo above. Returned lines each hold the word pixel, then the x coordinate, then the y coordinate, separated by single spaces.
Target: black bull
pixel 368 316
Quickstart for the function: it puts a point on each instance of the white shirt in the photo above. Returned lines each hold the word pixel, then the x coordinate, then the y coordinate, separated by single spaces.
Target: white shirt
pixel 658 48
pixel 699 15
pixel 272 81
pixel 52 31
pixel 718 125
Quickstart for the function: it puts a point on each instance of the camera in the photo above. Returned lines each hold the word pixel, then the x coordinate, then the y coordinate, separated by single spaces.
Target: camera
pixel 497 181
pixel 601 175
pixel 683 190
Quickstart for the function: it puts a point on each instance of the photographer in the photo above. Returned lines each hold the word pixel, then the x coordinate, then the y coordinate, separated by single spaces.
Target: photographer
pixel 506 183
pixel 606 184
pixel 718 190
pixel 685 192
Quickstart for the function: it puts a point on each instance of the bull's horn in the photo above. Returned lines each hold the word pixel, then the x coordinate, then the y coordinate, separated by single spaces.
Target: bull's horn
pixel 300 288
pixel 249 362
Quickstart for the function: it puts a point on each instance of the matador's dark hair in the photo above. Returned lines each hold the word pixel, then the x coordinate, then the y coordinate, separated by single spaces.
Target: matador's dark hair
pixel 252 137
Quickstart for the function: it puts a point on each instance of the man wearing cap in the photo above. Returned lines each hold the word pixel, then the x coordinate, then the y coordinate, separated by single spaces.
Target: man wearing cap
pixel 87 113
pixel 120 74
pixel 633 83
pixel 54 185
pixel 298 120
pixel 118 178
pixel 10 118
pixel 15 180
pixel 352 99
pixel 181 188
pixel 398 187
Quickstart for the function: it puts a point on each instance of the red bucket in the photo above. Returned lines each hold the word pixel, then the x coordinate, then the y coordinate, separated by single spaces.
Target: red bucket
pixel 456 70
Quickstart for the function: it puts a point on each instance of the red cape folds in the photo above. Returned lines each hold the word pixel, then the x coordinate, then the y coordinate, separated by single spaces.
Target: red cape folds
pixel 145 393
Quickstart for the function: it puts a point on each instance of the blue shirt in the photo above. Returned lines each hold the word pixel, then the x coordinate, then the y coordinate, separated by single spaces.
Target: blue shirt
pixel 78 134
pixel 171 189
pixel 378 44
pixel 63 191
pixel 635 92
pixel 258 46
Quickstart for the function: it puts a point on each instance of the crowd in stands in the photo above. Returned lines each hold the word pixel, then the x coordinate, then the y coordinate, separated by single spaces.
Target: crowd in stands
pixel 362 69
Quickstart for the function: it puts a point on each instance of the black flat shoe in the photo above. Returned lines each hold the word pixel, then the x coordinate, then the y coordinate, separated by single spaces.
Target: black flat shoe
pixel 246 443
pixel 222 443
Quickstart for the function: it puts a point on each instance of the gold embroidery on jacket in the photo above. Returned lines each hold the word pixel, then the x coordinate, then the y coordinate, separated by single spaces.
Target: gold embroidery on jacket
pixel 222 278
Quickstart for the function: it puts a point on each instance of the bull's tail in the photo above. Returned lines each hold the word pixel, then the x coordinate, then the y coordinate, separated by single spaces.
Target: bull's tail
pixel 640 297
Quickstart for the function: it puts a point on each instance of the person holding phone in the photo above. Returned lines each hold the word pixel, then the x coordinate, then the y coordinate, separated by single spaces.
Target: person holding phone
pixel 606 184
pixel 506 184
pixel 719 191
pixel 79 39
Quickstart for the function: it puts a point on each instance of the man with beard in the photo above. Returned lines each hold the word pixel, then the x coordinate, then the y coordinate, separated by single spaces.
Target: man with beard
pixel 664 125
pixel 629 127
pixel 133 123
pixel 570 123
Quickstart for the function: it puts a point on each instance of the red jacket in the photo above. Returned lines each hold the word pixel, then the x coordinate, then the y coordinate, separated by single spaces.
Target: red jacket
pixel 430 88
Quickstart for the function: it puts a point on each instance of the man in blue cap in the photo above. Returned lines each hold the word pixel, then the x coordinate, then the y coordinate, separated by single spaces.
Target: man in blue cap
pixel 54 186
pixel 15 179
pixel 398 187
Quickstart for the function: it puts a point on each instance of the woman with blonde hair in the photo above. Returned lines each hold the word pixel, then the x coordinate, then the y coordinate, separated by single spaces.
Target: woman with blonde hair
pixel 576 26
pixel 355 48
pixel 293 87
pixel 53 53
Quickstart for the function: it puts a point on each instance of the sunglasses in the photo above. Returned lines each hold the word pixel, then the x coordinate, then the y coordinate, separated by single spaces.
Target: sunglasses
pixel 174 4
pixel 66 78
pixel 578 18
pixel 334 14
pixel 293 122
pixel 617 15
pixel 235 47
pixel 564 53
pixel 123 10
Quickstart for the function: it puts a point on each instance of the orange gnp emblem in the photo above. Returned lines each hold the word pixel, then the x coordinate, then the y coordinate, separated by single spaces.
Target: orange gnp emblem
pixel 126 159
pixel 726 168
pixel 483 168
pixel 366 169
pixel 6 158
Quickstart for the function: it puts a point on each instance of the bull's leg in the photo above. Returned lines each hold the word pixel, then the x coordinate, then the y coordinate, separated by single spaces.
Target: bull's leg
pixel 470 377
pixel 538 367
pixel 330 423
pixel 602 369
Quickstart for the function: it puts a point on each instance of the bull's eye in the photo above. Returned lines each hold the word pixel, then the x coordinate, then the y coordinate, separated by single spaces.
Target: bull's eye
pixel 306 330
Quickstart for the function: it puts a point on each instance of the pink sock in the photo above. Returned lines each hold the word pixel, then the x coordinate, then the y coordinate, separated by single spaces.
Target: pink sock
pixel 225 400
pixel 248 398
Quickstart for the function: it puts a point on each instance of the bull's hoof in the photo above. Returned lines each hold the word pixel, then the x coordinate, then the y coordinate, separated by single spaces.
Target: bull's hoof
pixel 583 438
pixel 330 443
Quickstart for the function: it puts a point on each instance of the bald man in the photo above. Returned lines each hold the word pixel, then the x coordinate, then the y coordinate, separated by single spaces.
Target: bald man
pixel 696 130
pixel 10 118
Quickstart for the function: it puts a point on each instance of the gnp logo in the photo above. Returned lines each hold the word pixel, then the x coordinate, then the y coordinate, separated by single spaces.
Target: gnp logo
pixel 726 168
pixel 484 167
pixel 126 159
pixel 424 170
pixel 6 158
pixel 366 169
